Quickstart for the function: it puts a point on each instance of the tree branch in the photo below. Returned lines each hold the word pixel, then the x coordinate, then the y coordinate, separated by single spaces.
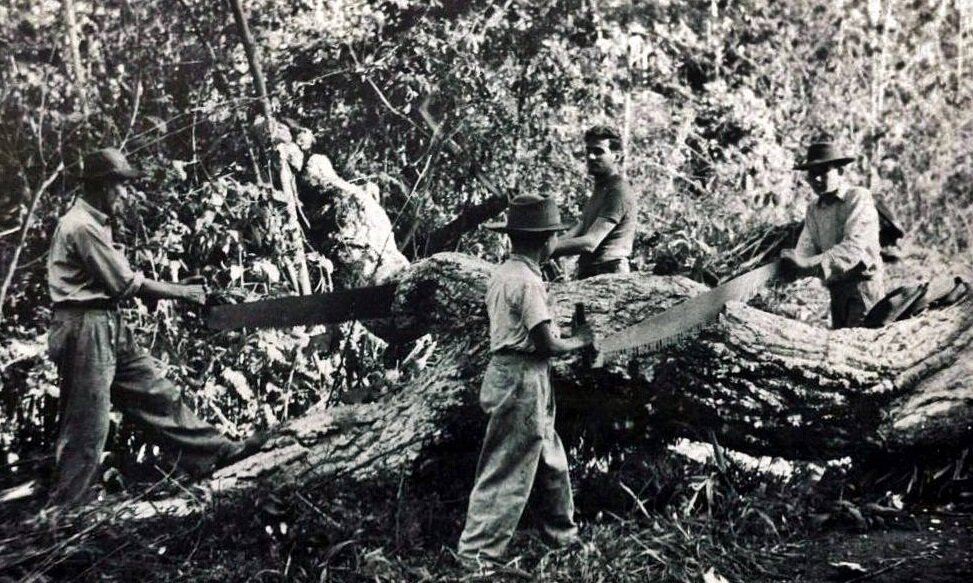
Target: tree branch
pixel 24 229
pixel 252 57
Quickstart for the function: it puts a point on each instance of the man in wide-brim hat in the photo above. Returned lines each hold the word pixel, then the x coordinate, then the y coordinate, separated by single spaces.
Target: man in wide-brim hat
pixel 521 448
pixel 840 239
pixel 98 359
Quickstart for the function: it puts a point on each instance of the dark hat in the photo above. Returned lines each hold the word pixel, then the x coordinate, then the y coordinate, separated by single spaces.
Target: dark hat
pixel 823 153
pixel 532 213
pixel 898 304
pixel 943 291
pixel 108 162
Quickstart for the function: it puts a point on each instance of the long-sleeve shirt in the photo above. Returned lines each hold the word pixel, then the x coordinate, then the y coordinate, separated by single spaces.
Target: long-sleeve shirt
pixel 842 227
pixel 84 264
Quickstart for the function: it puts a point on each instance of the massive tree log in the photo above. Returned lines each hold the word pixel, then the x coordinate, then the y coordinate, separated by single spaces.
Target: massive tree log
pixel 762 383
pixel 759 382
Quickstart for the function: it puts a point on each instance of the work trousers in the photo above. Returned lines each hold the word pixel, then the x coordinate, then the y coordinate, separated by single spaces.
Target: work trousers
pixel 520 448
pixel 851 300
pixel 100 364
pixel 586 270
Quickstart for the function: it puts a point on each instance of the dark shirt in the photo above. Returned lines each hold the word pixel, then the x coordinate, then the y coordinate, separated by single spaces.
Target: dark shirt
pixel 611 200
pixel 84 264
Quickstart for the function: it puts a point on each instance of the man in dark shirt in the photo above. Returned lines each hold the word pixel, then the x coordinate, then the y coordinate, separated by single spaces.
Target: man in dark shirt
pixel 604 236
pixel 99 363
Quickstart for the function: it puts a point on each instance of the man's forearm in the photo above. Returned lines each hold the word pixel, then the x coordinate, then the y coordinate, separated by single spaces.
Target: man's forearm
pixel 160 290
pixel 559 346
pixel 562 249
pixel 572 246
pixel 548 344
pixel 811 266
pixel 847 259
pixel 586 243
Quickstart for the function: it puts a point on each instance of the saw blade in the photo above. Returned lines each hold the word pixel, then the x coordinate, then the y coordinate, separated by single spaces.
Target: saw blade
pixel 361 303
pixel 687 318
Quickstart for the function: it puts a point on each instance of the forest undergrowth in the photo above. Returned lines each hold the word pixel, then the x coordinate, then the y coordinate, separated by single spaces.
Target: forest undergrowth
pixel 656 516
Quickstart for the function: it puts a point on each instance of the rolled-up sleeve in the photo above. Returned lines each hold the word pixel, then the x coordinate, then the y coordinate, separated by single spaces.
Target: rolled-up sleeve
pixel 860 235
pixel 106 263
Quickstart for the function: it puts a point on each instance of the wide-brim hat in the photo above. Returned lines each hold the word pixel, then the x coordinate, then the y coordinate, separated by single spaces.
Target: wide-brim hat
pixel 943 291
pixel 894 305
pixel 530 213
pixel 824 153
pixel 108 162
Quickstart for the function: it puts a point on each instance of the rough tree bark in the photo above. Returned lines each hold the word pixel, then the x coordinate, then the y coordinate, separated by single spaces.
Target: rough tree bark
pixel 765 384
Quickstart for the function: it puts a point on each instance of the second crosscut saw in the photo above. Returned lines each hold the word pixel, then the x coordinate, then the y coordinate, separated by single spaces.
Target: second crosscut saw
pixel 685 319
pixel 361 303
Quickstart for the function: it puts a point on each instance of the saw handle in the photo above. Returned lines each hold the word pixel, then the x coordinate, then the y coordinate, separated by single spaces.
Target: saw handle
pixel 589 356
pixel 580 318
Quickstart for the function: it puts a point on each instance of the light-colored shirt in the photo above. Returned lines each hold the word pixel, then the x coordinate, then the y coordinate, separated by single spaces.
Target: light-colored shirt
pixel 516 301
pixel 84 264
pixel 843 228
pixel 611 200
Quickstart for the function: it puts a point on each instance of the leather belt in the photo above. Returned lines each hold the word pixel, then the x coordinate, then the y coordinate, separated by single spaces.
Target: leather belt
pixel 102 304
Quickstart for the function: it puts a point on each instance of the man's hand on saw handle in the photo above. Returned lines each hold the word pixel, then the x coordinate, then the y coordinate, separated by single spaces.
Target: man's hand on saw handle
pixel 581 330
pixel 194 290
pixel 795 265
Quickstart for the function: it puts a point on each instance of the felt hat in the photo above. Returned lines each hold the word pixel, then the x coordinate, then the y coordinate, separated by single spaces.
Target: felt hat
pixel 108 162
pixel 530 213
pixel 900 303
pixel 823 153
pixel 943 291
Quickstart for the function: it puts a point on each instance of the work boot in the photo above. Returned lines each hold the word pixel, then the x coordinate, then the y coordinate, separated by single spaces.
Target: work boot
pixel 245 449
pixel 237 451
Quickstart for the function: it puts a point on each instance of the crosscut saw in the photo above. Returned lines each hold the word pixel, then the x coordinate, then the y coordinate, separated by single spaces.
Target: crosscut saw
pixel 366 303
pixel 685 319
pixel 363 303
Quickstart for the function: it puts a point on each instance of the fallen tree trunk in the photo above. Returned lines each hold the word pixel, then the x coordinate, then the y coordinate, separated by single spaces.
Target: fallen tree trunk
pixel 762 383
pixel 765 384
pixel 759 382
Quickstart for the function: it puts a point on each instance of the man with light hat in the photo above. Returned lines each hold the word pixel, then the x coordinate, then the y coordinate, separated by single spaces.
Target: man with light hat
pixel 99 363
pixel 521 450
pixel 840 239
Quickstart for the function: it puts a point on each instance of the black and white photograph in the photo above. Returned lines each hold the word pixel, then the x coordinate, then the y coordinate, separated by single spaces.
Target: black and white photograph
pixel 593 291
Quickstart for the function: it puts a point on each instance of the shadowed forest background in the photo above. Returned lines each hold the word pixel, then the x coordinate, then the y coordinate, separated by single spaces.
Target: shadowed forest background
pixel 715 100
